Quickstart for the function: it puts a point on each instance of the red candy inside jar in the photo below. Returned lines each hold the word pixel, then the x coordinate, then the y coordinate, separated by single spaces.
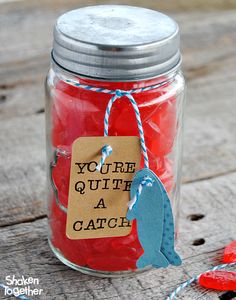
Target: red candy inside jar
pixel 74 112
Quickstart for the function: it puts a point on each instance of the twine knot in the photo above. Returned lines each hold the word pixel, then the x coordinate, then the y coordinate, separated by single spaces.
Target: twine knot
pixel 121 93
pixel 146 181
pixel 106 151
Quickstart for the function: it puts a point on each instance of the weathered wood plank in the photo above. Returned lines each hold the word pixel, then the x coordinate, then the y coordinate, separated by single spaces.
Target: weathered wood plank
pixel 23 171
pixel 21 100
pixel 209 148
pixel 24 251
pixel 178 5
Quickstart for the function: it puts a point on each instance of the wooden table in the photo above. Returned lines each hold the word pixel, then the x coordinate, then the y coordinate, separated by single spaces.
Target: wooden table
pixel 209 173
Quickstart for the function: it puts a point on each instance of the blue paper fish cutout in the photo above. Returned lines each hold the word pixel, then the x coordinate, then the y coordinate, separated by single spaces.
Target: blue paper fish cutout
pixel 155 224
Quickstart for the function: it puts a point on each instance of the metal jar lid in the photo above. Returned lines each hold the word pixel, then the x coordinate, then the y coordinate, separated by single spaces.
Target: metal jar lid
pixel 116 42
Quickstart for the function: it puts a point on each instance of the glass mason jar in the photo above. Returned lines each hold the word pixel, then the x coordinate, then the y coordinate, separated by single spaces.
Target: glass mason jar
pixel 111 47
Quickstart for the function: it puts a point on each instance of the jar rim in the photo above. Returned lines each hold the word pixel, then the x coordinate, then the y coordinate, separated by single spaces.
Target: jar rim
pixel 168 74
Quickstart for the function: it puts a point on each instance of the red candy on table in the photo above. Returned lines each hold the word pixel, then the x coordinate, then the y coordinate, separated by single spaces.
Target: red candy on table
pixel 221 280
pixel 230 253
pixel 218 280
pixel 77 112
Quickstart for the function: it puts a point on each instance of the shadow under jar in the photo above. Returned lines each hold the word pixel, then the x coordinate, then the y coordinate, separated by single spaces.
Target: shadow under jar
pixel 111 47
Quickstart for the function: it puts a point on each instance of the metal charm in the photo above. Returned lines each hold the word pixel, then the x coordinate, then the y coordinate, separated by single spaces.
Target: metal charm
pixel 53 164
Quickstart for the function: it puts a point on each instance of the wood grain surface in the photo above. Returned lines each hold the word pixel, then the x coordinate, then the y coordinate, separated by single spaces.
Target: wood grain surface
pixel 209 167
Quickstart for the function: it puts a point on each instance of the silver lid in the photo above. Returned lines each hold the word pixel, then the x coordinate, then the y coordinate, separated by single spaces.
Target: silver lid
pixel 116 42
